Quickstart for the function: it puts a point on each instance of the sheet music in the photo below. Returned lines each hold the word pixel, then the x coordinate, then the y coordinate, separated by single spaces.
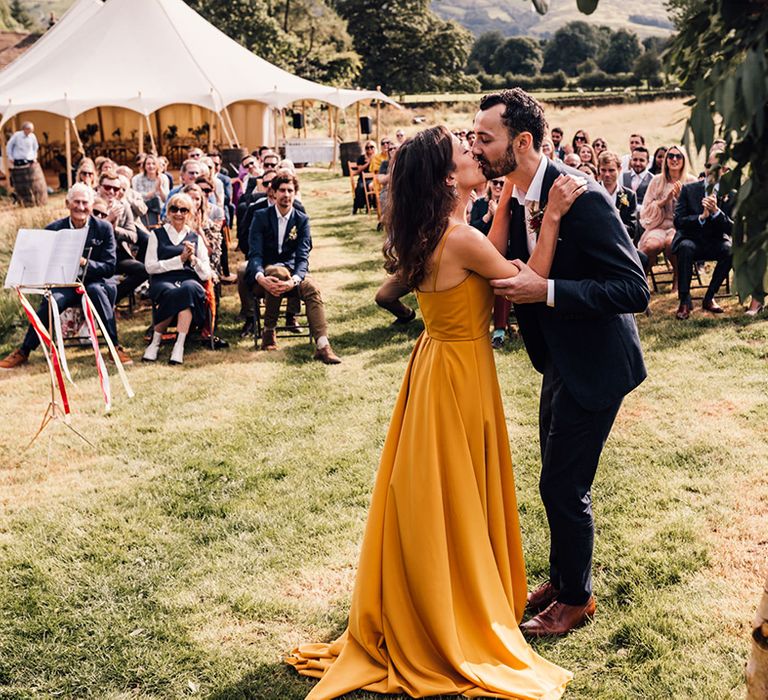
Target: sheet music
pixel 43 257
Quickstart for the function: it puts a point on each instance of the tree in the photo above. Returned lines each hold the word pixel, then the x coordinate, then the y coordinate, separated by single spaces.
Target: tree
pixel 571 45
pixel 520 55
pixel 303 36
pixel 647 67
pixel 404 46
pixel 20 14
pixel 481 54
pixel 623 49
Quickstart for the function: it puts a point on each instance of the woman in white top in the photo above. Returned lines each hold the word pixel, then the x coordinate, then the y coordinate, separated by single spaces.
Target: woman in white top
pixel 177 263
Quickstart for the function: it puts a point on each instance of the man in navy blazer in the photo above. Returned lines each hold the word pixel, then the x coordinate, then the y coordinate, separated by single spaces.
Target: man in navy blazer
pixel 579 331
pixel 704 224
pixel 279 242
pixel 99 259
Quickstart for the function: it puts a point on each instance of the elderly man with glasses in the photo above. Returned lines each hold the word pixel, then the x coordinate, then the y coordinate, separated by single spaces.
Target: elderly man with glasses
pixel 98 263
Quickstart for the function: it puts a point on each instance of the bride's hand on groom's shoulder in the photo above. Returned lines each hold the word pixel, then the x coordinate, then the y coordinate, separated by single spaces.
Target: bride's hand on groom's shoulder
pixel 563 193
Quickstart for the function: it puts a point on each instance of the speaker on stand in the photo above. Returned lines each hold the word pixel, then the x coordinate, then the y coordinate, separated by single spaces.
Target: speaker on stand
pixel 298 122
pixel 365 125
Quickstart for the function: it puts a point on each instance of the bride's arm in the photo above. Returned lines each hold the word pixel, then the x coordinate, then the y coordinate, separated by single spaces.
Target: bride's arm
pixel 563 193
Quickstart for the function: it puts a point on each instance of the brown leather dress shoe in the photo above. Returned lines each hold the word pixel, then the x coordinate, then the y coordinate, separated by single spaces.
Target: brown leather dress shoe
pixel 712 306
pixel 14 360
pixel 125 358
pixel 268 340
pixel 542 597
pixel 559 619
pixel 327 356
pixel 683 312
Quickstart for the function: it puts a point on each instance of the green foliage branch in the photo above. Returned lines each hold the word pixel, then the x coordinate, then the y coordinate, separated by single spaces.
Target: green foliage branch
pixel 719 54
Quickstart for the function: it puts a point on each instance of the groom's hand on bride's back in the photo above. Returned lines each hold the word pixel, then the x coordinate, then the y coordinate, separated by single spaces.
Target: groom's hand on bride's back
pixel 526 287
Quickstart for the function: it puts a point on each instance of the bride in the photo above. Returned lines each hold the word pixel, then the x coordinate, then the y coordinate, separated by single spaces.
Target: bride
pixel 441 587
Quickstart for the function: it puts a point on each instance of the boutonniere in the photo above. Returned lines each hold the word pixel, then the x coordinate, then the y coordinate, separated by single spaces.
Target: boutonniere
pixel 623 199
pixel 537 216
pixel 291 235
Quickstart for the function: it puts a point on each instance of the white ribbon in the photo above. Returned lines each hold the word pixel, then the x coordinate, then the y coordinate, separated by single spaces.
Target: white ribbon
pixel 59 337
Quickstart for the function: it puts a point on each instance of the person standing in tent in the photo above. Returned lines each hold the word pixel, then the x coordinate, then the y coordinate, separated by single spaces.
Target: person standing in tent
pixel 26 175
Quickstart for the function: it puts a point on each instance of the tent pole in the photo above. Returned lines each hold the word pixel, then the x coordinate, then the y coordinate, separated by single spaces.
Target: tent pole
pixel 378 116
pixel 357 104
pixel 284 124
pixel 224 129
pixel 5 153
pixel 211 121
pixel 151 135
pixel 330 121
pixel 275 120
pixel 159 133
pixel 304 112
pixel 68 150
pixel 101 124
pixel 232 127
pixel 80 146
pixel 141 135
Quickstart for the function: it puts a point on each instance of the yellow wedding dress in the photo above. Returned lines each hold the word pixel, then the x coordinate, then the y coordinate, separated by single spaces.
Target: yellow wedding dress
pixel 441 585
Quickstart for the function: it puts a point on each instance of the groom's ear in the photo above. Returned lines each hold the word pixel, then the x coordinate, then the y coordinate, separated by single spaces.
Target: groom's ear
pixel 524 141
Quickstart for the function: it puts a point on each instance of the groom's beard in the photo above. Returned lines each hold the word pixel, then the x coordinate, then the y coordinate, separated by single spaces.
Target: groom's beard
pixel 499 168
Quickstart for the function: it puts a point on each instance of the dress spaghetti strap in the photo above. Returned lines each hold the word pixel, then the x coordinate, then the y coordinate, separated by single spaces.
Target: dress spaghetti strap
pixel 440 254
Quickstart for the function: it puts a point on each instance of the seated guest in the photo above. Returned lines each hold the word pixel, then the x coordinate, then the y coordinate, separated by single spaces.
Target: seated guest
pixel 557 142
pixel 638 177
pixel 209 221
pixel 588 169
pixel 99 265
pixel 572 160
pixel 177 262
pixel 657 217
pixel 103 163
pixel 635 141
pixel 280 236
pixel 381 156
pixel 134 199
pixel 548 148
pixel 587 155
pixel 363 165
pixel 625 200
pixel 163 165
pixel 579 138
pixel 471 138
pixel 293 305
pixel 599 145
pixel 86 173
pixel 195 153
pixel 191 169
pixel 658 160
pixel 383 175
pixel 153 186
pixel 704 224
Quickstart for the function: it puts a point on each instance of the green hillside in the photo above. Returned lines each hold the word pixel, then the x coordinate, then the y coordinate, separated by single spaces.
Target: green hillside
pixel 517 17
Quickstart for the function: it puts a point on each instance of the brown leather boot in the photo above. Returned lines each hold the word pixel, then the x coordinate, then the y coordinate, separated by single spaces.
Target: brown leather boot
pixel 14 360
pixel 268 340
pixel 327 356
pixel 559 619
pixel 542 597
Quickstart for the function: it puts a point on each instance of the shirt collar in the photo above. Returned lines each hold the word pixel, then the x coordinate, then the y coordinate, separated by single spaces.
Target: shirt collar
pixel 72 225
pixel 285 218
pixel 534 189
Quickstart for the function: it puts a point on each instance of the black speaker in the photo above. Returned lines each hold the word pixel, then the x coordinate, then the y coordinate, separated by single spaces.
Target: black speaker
pixel 298 120
pixel 365 125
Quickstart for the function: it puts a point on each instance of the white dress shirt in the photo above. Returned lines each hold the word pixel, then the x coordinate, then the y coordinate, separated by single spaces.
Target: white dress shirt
pixel 22 147
pixel 156 267
pixel 532 197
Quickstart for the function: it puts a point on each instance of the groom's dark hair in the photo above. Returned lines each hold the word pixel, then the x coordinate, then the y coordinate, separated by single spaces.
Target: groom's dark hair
pixel 521 113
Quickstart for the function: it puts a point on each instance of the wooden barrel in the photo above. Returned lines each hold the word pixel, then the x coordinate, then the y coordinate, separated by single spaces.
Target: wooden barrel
pixel 230 160
pixel 349 150
pixel 29 184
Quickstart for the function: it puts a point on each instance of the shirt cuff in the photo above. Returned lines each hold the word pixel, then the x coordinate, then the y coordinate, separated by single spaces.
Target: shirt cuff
pixel 259 274
pixel 716 214
pixel 702 220
pixel 296 280
pixel 551 293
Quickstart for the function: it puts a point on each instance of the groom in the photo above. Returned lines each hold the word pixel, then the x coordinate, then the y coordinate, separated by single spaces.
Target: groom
pixel 579 332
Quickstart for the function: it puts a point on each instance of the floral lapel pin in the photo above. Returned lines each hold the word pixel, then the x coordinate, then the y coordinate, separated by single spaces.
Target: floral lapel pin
pixel 291 235
pixel 537 216
pixel 623 200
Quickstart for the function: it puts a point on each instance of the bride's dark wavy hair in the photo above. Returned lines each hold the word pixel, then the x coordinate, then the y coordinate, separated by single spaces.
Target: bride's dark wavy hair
pixel 420 203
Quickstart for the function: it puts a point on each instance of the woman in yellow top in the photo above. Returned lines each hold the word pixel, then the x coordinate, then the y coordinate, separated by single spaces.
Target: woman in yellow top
pixel 441 583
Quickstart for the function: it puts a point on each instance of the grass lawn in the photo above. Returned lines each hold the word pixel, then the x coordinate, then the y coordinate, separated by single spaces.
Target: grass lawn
pixel 217 523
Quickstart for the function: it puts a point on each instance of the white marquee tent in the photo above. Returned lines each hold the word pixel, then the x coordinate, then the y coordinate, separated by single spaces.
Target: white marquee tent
pixel 154 57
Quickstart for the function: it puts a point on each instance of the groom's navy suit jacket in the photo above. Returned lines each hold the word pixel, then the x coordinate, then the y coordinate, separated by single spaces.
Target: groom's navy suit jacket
pixel 590 334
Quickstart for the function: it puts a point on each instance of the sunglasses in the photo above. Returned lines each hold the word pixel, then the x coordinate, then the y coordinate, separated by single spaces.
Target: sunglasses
pixel 497 183
pixel 271 166
pixel 111 188
pixel 178 210
pixel 100 214
pixel 369 148
pixel 579 138
pixel 249 164
pixel 674 156
pixel 206 191
pixel 87 172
